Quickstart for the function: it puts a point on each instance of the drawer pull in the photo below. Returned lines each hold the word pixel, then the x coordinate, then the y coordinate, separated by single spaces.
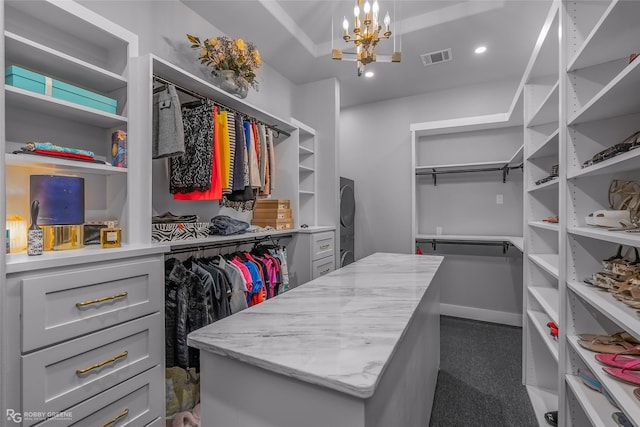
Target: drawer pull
pixel 99 300
pixel 104 362
pixel 325 246
pixel 117 417
pixel 325 271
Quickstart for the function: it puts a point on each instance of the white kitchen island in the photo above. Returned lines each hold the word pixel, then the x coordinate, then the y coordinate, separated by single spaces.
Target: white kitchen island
pixel 357 347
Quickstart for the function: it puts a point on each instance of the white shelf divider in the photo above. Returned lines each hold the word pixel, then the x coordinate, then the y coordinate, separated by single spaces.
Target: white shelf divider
pixel 545 225
pixel 546 186
pixel 620 237
pixel 548 148
pixel 61 164
pixel 548 110
pixel 548 262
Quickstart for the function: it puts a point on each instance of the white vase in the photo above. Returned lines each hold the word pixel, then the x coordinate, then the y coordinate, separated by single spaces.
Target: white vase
pixel 228 82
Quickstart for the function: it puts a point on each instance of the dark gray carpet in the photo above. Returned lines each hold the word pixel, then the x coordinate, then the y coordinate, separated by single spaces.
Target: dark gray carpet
pixel 480 378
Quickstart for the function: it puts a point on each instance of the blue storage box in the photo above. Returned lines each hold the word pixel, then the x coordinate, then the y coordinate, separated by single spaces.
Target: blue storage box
pixel 34 82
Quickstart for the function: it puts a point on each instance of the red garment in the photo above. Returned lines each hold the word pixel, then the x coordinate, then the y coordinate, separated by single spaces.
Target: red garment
pixel 215 192
pixel 61 154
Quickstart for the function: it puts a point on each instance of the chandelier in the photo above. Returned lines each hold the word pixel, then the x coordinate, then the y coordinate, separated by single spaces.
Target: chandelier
pixel 366 36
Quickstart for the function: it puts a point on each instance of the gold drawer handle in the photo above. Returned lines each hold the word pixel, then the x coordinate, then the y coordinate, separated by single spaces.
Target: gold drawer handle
pixel 325 271
pixel 115 420
pixel 325 246
pixel 103 299
pixel 104 362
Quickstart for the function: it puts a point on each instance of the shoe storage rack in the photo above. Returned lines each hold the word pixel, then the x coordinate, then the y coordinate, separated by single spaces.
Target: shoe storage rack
pixel 588 104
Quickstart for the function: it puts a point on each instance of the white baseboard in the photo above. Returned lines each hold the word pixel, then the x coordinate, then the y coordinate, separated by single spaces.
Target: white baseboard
pixel 482 314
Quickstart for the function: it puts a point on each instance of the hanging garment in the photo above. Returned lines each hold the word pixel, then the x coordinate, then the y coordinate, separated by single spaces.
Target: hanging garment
pixel 215 188
pixel 224 150
pixel 261 137
pixel 192 170
pixel 254 168
pixel 240 164
pixel 231 126
pixel 167 126
pixel 221 291
pixel 272 160
pixel 238 300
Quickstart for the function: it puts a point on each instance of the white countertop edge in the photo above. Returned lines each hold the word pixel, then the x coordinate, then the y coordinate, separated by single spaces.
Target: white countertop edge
pixel 16 263
pixel 315 229
pixel 359 391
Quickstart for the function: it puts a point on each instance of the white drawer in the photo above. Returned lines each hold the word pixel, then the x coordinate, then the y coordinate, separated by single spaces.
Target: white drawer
pixel 322 245
pixel 322 266
pixel 157 423
pixel 139 401
pixel 51 378
pixel 60 306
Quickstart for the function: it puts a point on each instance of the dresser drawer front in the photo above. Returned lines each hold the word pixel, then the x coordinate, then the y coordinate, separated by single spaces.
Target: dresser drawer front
pixel 322 266
pixel 322 245
pixel 61 306
pixel 61 376
pixel 157 423
pixel 137 401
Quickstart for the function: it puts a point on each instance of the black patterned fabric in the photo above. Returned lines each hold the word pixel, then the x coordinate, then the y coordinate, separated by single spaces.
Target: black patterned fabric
pixel 192 170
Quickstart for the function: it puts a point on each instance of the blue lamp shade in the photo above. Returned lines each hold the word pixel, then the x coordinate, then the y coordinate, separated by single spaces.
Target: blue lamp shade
pixel 61 199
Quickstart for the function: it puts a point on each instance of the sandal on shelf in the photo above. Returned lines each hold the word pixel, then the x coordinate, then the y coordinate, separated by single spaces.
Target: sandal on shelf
pixel 624 375
pixel 608 347
pixel 620 361
pixel 552 219
pixel 615 337
pixel 588 380
pixel 621 419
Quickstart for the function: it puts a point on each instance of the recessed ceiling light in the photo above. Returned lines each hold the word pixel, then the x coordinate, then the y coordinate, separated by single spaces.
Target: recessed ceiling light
pixel 368 74
pixel 481 49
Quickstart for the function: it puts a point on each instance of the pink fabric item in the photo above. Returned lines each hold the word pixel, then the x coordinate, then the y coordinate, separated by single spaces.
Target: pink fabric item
pixel 187 419
pixel 245 273
pixel 628 376
pixel 619 361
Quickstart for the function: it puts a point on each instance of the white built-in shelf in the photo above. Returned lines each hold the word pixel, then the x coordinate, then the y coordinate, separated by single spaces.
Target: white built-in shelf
pixel 306 193
pixel 621 163
pixel 548 298
pixel 466 124
pixel 517 157
pixel 548 112
pixel 546 186
pixel 617 98
pixel 543 401
pixel 621 392
pixel 621 314
pixel 304 150
pixel 194 83
pixel 26 160
pixel 545 225
pixel 609 39
pixel 466 166
pixel 548 148
pixel 305 169
pixel 548 262
pixel 17 97
pixel 595 406
pixel 539 321
pixel 47 61
pixel 18 262
pixel 601 233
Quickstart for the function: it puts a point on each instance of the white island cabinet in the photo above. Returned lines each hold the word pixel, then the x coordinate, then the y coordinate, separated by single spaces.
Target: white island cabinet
pixel 357 347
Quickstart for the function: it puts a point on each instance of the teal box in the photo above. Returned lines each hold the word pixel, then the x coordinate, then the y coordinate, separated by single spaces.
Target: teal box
pixel 34 82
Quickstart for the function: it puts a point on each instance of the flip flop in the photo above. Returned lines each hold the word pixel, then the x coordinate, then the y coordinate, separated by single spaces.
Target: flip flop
pixel 621 419
pixel 615 337
pixel 599 347
pixel 624 375
pixel 618 361
pixel 594 384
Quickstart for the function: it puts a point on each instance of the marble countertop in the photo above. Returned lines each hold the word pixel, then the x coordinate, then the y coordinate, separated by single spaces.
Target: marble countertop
pixel 338 331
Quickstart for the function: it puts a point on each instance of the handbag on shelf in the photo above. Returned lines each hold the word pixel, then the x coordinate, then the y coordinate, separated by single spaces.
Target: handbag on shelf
pixel 625 195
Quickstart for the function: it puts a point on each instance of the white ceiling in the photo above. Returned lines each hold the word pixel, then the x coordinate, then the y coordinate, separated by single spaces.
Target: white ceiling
pixel 294 37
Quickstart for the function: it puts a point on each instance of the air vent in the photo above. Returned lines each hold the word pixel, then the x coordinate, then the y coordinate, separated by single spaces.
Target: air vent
pixel 436 57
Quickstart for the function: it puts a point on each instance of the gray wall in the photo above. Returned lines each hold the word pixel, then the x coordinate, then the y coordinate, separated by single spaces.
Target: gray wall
pixel 375 151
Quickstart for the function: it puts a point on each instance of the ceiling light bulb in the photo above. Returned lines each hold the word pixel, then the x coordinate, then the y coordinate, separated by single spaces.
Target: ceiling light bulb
pixel 387 19
pixel 481 49
pixel 376 7
pixel 368 74
pixel 367 7
pixel 356 11
pixel 345 24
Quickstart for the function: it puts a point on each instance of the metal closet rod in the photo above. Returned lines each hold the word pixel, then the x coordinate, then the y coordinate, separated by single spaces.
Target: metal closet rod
pixel 215 245
pixel 504 243
pixel 226 107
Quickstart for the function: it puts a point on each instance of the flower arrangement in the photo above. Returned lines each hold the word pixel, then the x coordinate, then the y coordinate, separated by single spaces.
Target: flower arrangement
pixel 223 53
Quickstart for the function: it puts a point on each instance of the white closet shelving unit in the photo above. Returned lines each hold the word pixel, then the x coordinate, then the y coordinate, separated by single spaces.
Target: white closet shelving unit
pixel 542 261
pixel 599 91
pixel 307 166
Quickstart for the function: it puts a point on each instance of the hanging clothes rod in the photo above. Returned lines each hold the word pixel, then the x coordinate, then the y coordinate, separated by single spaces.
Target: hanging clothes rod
pixel 504 169
pixel 215 245
pixel 226 107
pixel 434 242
